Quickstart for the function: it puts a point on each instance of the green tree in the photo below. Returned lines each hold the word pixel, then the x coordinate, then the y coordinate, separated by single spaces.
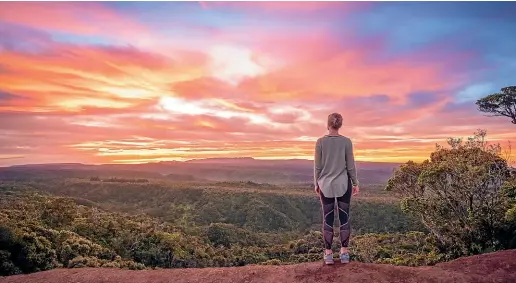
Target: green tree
pixel 7 242
pixel 509 190
pixel 500 104
pixel 59 212
pixel 458 194
pixel 33 252
pixel 226 235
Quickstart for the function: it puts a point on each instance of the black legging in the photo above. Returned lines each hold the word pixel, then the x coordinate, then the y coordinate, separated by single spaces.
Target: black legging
pixel 328 207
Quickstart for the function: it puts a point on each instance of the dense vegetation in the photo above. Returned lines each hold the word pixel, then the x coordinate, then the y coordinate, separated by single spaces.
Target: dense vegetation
pixel 75 223
pixel 464 195
pixel 256 207
pixel 461 201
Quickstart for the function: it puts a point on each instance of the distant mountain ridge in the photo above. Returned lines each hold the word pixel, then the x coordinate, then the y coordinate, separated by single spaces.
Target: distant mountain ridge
pixel 218 160
pixel 214 169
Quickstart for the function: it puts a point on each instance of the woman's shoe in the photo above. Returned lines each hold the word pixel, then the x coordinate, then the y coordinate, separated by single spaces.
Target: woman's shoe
pixel 344 258
pixel 328 259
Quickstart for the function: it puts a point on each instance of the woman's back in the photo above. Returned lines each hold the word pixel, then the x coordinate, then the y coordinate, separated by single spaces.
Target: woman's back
pixel 334 165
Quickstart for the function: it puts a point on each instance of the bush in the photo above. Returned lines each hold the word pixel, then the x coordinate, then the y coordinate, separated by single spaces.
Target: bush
pixel 272 262
pixel 410 249
pixel 458 195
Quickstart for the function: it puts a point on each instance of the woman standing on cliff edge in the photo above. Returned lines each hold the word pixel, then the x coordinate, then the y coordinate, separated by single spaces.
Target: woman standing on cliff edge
pixel 335 177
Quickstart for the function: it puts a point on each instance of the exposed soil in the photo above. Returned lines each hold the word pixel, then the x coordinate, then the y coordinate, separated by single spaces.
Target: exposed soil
pixel 497 267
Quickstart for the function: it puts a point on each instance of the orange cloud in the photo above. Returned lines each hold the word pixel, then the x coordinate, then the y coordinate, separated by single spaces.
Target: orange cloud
pixel 74 77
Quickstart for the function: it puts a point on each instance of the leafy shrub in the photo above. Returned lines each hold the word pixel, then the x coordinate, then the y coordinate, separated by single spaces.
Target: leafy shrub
pixel 459 195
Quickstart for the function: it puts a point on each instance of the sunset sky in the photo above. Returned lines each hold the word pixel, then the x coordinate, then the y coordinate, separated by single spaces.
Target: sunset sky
pixel 134 82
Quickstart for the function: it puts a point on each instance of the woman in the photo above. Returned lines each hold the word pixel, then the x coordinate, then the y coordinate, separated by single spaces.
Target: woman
pixel 335 177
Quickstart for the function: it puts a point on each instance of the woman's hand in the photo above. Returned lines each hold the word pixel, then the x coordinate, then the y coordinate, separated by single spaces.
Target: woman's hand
pixel 317 190
pixel 356 190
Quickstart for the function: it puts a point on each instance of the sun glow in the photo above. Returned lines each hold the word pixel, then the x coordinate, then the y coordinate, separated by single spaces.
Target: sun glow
pixel 78 103
pixel 232 64
pixel 128 92
pixel 182 106
pixel 214 107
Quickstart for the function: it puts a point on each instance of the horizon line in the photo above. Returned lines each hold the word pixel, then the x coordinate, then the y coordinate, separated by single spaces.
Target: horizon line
pixel 185 161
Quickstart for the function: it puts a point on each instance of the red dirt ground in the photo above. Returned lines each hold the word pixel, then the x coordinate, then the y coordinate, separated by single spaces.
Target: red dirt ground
pixel 497 267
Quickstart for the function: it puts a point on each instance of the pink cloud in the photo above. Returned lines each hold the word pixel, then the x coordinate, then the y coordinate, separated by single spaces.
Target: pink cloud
pixel 288 7
pixel 76 18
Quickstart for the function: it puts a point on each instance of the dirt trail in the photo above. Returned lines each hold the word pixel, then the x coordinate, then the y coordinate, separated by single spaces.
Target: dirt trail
pixel 497 267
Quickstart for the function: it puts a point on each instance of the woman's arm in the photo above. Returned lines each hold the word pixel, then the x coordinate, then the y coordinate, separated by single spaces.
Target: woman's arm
pixel 350 164
pixel 317 161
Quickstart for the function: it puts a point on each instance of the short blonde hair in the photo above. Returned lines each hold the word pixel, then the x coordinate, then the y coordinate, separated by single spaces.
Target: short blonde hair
pixel 335 121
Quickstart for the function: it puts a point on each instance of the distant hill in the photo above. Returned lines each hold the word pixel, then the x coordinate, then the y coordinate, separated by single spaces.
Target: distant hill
pixel 492 267
pixel 214 169
pixel 53 171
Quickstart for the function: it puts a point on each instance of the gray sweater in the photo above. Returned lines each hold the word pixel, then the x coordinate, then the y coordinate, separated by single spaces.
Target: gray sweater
pixel 334 163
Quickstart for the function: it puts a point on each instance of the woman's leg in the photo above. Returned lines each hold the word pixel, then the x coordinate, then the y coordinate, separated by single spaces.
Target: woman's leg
pixel 328 209
pixel 345 226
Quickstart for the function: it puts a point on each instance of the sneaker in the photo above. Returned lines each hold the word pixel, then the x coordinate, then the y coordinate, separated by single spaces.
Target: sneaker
pixel 344 258
pixel 328 259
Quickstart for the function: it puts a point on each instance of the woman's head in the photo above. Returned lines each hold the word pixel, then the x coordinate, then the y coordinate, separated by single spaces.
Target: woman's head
pixel 334 121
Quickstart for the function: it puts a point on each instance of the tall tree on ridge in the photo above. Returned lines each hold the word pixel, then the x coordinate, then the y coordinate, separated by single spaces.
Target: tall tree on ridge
pixel 500 104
